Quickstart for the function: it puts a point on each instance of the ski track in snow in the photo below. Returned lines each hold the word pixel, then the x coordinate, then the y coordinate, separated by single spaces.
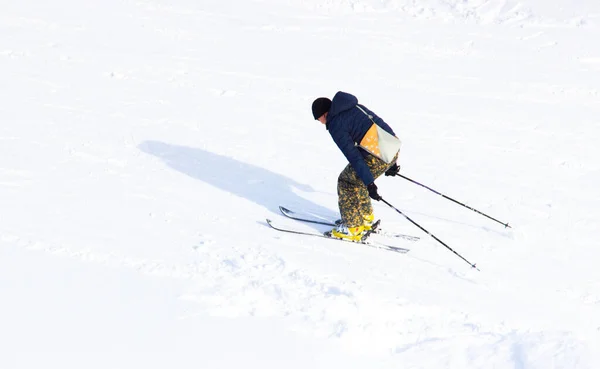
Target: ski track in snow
pixel 142 147
pixel 511 12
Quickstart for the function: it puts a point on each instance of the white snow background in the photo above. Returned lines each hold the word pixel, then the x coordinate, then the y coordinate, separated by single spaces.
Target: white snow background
pixel 143 143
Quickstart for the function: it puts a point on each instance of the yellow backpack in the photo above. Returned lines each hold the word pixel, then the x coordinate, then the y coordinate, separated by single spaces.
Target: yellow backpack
pixel 378 142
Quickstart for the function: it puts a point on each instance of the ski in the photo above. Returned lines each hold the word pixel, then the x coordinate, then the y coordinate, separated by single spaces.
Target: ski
pixel 305 218
pixel 366 242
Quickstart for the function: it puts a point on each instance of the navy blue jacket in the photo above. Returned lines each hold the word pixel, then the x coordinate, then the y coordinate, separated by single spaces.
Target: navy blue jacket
pixel 347 126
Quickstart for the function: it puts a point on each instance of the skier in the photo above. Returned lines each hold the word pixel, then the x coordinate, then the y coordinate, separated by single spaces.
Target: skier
pixel 371 148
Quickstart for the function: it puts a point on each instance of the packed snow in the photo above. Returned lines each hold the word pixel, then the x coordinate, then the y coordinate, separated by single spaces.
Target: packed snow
pixel 144 143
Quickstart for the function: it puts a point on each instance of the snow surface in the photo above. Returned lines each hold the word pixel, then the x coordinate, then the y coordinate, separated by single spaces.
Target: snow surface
pixel 143 143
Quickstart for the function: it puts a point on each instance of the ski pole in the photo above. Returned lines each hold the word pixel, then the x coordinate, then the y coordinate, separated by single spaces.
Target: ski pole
pixel 451 199
pixel 434 237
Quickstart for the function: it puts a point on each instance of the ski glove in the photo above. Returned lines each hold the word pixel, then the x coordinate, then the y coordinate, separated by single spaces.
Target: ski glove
pixel 393 170
pixel 372 188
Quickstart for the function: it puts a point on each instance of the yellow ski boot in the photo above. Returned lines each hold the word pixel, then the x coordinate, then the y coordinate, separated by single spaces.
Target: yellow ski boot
pixel 354 234
pixel 368 221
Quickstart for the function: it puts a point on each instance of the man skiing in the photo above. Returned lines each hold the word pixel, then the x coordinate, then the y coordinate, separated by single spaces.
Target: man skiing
pixel 371 148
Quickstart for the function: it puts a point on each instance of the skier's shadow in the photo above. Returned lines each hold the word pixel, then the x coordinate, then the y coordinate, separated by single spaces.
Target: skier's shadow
pixel 259 185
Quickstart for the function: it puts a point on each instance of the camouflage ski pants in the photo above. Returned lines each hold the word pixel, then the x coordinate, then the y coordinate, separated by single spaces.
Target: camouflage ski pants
pixel 353 198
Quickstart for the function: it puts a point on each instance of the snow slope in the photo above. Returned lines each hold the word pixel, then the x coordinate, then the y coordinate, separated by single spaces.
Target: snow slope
pixel 143 143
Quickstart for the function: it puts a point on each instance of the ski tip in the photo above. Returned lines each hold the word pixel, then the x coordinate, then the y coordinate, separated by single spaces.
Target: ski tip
pixel 283 209
pixel 399 250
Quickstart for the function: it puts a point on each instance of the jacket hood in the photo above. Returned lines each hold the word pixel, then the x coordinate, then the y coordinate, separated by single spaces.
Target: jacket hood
pixel 342 101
